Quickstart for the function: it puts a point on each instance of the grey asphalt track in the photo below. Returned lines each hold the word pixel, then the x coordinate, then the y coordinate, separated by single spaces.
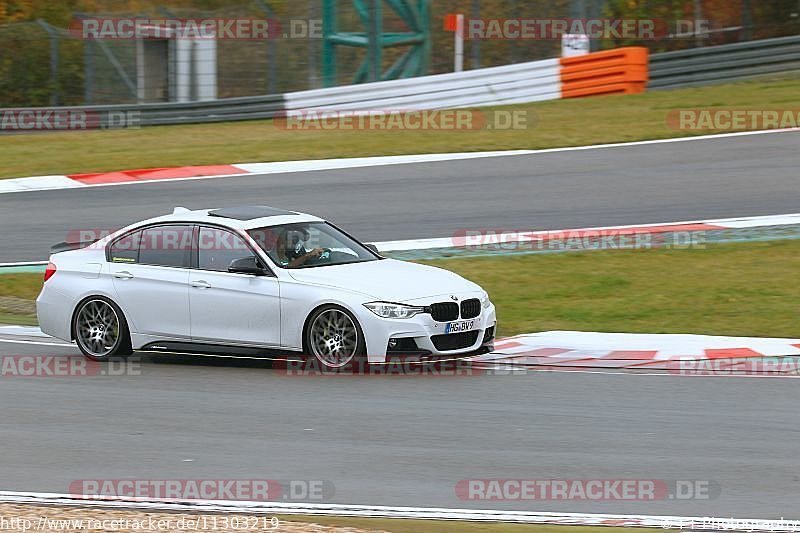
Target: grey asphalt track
pixel 726 177
pixel 408 440
pixel 405 440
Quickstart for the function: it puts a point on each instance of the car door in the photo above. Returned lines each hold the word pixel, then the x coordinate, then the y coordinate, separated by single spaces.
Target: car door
pixel 229 308
pixel 150 272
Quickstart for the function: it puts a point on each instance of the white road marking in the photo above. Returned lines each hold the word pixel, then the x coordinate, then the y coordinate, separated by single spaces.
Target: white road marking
pixel 36 343
pixel 61 182
pixel 426 513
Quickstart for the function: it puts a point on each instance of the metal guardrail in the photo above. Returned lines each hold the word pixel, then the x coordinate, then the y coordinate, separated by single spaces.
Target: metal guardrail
pixel 163 114
pixel 718 64
pixel 512 84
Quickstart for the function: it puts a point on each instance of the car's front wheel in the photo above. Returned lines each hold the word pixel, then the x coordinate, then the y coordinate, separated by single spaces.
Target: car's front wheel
pixel 334 337
pixel 100 329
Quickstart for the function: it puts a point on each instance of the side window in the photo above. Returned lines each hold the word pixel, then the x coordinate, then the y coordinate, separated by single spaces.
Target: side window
pixel 126 248
pixel 217 248
pixel 166 246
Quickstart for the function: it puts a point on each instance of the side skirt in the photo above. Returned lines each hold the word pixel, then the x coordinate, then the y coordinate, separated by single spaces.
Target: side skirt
pixel 191 348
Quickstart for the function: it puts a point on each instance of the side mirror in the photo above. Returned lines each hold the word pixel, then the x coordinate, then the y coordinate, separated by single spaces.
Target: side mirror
pixel 373 248
pixel 247 265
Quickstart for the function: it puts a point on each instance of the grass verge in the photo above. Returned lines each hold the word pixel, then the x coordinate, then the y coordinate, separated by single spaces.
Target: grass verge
pixel 22 286
pixel 17 295
pixel 129 520
pixel 557 123
pixel 442 526
pixel 746 289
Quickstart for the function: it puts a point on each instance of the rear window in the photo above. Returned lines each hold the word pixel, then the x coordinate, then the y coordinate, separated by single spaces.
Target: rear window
pixel 126 248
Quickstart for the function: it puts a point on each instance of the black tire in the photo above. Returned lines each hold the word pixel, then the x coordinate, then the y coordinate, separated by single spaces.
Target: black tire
pixel 83 330
pixel 354 359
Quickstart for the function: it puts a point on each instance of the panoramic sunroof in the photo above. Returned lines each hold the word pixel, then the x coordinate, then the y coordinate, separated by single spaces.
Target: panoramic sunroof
pixel 249 212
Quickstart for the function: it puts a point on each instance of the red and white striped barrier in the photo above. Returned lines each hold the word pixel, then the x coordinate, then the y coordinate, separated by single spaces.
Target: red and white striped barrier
pixel 698 355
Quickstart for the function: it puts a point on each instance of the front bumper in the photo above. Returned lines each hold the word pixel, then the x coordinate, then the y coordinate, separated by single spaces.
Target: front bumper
pixel 426 334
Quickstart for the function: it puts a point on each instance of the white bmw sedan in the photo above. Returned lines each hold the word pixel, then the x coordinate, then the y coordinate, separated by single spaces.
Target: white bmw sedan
pixel 256 281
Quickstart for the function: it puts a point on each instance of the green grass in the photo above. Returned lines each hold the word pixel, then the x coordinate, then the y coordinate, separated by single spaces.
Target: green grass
pixel 17 293
pixel 557 123
pixel 25 286
pixel 18 319
pixel 741 289
pixel 747 289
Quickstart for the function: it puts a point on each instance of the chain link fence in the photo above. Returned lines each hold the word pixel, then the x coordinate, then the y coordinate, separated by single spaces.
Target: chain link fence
pixel 44 65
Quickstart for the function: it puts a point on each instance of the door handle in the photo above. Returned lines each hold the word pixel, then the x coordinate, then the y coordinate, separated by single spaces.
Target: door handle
pixel 200 284
pixel 124 274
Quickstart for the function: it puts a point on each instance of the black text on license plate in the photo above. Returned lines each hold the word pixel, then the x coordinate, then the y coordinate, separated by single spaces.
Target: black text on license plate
pixel 459 327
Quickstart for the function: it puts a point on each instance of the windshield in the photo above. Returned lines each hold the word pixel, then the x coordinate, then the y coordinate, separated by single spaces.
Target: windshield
pixel 310 244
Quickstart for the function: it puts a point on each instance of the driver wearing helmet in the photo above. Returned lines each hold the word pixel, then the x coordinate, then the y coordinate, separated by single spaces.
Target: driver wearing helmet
pixel 290 249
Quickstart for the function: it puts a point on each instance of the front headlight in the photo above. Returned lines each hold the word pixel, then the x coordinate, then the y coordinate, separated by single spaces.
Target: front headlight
pixel 485 301
pixel 390 310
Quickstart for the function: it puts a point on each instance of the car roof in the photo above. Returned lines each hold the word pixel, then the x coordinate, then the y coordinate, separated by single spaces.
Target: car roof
pixel 243 217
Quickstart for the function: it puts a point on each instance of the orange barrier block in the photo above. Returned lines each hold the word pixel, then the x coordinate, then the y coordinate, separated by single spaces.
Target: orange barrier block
pixel 619 71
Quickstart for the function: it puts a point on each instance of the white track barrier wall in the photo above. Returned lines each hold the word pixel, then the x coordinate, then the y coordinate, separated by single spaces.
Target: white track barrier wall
pixel 512 84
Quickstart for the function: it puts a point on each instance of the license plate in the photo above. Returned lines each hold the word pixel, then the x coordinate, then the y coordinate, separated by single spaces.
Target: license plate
pixel 459 327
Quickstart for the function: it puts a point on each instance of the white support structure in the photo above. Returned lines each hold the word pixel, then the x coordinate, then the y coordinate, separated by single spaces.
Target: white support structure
pixel 459 46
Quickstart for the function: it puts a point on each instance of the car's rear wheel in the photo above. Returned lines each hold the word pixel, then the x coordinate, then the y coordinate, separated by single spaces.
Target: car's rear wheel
pixel 334 337
pixel 100 330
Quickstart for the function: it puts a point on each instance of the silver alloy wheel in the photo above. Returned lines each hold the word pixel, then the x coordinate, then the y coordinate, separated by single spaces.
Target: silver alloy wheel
pixel 97 328
pixel 333 338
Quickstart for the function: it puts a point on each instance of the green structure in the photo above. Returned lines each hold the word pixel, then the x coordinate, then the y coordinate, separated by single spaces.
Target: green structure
pixel 413 62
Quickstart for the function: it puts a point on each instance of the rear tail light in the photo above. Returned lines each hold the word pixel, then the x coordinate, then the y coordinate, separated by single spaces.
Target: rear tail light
pixel 49 271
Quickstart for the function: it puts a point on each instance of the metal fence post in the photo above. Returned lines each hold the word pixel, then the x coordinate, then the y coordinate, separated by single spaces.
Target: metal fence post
pixel 313 69
pixel 88 58
pixel 698 15
pixel 374 33
pixel 476 43
pixel 747 20
pixel 272 73
pixel 514 42
pixel 54 41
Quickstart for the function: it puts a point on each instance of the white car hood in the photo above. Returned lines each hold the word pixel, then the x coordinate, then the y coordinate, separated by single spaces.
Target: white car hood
pixel 387 280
